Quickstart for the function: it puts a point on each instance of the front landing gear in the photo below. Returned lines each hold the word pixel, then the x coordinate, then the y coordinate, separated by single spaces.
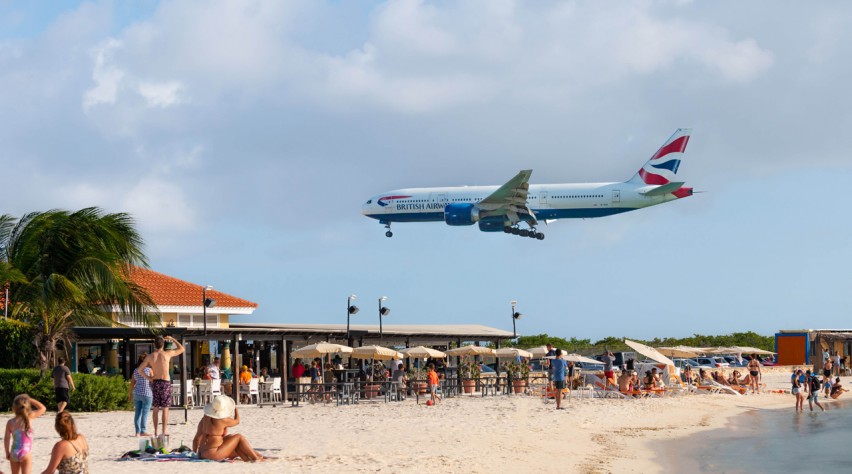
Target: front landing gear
pixel 531 233
pixel 388 234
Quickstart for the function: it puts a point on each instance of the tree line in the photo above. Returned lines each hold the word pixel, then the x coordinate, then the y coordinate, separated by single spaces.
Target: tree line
pixel 750 339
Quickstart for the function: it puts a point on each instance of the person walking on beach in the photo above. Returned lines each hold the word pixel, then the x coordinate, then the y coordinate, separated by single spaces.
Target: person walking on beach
pixel 813 385
pixel 755 373
pixel 558 366
pixel 432 377
pixel 798 389
pixel 161 381
pixel 62 383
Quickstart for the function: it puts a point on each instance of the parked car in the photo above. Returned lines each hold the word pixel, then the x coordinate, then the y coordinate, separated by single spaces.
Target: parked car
pixel 769 362
pixel 680 363
pixel 712 362
pixel 735 362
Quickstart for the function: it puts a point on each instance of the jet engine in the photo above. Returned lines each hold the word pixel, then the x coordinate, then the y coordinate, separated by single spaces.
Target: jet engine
pixel 461 214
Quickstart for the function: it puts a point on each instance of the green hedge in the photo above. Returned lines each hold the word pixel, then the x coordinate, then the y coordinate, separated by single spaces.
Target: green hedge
pixel 94 392
pixel 17 343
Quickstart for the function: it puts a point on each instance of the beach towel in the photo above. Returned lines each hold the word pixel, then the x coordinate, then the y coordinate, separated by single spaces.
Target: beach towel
pixel 187 456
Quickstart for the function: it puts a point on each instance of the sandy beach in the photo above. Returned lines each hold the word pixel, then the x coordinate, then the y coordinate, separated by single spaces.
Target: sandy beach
pixel 463 434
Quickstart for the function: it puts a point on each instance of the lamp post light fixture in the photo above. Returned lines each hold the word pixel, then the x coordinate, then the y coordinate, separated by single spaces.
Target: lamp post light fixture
pixel 350 310
pixel 515 316
pixel 206 303
pixel 383 311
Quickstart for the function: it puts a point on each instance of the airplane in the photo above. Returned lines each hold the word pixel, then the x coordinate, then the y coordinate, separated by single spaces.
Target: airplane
pixel 504 208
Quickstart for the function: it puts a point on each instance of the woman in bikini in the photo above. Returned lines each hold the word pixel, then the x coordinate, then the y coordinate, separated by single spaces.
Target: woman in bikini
pixel 18 440
pixel 212 440
pixel 70 455
pixel 754 371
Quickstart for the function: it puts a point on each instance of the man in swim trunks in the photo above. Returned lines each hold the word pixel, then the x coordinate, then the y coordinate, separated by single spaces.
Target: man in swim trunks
pixel 161 382
pixel 62 383
pixel 607 359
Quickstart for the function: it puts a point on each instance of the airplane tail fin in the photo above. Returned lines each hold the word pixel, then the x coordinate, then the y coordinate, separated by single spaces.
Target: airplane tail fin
pixel 662 168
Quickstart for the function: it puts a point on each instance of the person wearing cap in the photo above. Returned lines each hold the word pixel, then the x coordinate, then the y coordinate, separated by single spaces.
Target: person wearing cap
pixel 245 375
pixel 211 440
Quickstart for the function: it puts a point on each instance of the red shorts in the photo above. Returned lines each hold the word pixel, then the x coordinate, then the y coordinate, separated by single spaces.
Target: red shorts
pixel 609 374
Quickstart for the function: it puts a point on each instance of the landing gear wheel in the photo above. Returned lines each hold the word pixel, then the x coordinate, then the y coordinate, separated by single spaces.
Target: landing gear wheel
pixel 388 234
pixel 515 231
pixel 524 233
pixel 539 236
pixel 533 234
pixel 507 229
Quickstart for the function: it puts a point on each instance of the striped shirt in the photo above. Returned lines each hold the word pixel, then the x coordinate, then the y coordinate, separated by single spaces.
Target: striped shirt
pixel 143 386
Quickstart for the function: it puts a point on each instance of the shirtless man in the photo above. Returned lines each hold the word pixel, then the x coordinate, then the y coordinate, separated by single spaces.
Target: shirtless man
pixel 212 440
pixel 161 382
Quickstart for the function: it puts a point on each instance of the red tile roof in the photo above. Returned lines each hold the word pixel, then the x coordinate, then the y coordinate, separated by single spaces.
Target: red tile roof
pixel 170 291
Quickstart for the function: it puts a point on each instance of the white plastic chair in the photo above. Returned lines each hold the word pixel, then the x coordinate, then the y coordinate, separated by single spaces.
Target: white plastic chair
pixel 190 399
pixel 276 389
pixel 251 390
pixel 215 388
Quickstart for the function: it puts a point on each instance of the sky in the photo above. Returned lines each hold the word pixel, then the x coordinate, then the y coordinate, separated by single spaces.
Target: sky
pixel 244 136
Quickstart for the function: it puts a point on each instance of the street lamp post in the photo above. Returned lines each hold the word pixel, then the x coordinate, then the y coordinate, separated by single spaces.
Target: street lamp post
pixel 383 311
pixel 206 303
pixel 515 316
pixel 350 310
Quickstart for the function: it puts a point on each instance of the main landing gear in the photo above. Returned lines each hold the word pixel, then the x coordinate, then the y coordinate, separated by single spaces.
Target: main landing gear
pixel 388 234
pixel 532 233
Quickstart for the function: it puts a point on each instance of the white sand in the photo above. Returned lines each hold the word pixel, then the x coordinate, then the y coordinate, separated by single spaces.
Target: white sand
pixel 466 434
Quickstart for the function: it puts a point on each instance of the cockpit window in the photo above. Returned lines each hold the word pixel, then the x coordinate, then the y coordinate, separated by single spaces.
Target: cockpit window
pixel 370 201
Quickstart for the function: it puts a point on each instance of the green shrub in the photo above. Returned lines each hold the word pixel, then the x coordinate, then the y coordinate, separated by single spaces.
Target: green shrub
pixel 17 343
pixel 94 392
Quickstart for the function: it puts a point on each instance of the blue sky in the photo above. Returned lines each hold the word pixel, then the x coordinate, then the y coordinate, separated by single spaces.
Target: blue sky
pixel 244 136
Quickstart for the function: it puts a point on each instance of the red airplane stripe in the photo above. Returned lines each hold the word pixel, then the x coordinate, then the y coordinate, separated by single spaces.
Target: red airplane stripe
pixel 651 178
pixel 677 146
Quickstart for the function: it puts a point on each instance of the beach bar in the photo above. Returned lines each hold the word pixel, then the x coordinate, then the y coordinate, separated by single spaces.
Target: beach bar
pixel 207 331
pixel 808 346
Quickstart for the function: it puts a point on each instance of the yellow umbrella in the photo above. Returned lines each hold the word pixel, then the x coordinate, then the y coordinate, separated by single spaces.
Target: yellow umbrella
pixel 470 351
pixel 375 352
pixel 320 349
pixel 421 352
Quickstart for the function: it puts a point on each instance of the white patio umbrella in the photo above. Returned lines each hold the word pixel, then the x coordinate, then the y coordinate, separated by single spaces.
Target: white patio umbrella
pixel 752 350
pixel 680 351
pixel 649 352
pixel 422 352
pixel 320 349
pixel 512 352
pixel 577 358
pixel 375 352
pixel 470 351
pixel 539 351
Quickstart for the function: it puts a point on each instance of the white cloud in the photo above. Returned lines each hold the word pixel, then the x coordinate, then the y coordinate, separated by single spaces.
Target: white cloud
pixel 160 94
pixel 106 76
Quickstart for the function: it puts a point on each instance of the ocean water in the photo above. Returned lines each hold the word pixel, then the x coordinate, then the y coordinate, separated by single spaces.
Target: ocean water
pixel 770 441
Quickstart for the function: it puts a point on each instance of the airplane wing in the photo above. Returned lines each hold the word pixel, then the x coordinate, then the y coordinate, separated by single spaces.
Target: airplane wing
pixel 509 200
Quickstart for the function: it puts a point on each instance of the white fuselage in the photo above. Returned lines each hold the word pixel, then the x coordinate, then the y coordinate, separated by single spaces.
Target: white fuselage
pixel 547 201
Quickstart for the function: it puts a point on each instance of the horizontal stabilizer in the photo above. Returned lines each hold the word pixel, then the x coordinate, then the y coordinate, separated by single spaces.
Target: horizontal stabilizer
pixel 662 190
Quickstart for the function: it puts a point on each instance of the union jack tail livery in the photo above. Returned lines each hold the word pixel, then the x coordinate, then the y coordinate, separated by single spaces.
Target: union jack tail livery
pixel 663 165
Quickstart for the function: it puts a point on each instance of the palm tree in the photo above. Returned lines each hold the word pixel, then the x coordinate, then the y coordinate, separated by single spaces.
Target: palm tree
pixel 75 268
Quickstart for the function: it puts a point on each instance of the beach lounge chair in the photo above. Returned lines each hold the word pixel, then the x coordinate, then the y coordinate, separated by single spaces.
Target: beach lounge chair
pixel 601 391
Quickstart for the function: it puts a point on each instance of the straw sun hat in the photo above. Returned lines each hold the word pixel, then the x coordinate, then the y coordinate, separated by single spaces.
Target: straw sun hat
pixel 222 406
